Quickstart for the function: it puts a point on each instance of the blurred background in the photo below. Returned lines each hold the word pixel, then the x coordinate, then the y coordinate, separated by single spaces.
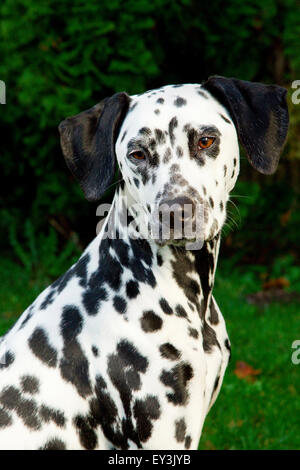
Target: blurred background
pixel 59 58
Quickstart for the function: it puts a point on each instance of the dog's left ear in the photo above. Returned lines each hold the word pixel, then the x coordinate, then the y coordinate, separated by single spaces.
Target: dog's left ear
pixel 88 143
pixel 260 115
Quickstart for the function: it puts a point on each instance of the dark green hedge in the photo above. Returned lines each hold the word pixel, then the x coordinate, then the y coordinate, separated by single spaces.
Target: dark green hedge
pixel 60 57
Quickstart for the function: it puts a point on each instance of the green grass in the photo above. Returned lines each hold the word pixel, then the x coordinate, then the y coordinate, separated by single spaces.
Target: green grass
pixel 263 414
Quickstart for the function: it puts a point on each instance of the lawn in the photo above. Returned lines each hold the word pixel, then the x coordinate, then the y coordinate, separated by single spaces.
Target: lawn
pixel 260 411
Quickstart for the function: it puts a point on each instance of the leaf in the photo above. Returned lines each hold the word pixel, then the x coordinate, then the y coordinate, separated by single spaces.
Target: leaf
pixel 246 371
pixel 278 283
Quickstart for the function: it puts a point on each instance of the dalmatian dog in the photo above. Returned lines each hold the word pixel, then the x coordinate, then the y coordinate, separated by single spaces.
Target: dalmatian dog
pixel 128 349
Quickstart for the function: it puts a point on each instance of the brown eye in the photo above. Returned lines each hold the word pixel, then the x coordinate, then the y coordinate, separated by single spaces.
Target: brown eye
pixel 205 142
pixel 137 155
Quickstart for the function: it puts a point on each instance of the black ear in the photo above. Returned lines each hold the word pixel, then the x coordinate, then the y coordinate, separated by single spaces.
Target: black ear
pixel 260 115
pixel 88 143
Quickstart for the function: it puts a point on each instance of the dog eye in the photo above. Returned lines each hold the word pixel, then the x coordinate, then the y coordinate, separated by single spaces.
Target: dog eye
pixel 205 142
pixel 138 155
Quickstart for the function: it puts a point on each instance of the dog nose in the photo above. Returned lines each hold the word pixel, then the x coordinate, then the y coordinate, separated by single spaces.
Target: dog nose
pixel 178 210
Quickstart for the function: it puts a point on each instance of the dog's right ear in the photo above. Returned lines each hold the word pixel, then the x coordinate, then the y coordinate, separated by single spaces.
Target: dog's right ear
pixel 88 143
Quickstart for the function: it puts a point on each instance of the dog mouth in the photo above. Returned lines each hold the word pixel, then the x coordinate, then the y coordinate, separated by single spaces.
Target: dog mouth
pixel 178 239
pixel 177 224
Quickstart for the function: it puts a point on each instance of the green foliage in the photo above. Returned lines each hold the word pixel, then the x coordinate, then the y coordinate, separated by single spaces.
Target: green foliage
pixel 263 222
pixel 41 254
pixel 58 58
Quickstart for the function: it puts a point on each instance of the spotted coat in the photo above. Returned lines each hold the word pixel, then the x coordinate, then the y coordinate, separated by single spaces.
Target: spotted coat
pixel 128 348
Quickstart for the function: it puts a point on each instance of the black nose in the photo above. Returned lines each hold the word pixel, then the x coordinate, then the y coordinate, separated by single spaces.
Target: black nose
pixel 177 211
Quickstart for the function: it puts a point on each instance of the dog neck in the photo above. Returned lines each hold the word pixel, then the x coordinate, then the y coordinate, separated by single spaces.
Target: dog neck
pixel 193 270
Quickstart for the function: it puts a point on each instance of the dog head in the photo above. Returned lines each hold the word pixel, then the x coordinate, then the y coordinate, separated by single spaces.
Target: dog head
pixel 178 148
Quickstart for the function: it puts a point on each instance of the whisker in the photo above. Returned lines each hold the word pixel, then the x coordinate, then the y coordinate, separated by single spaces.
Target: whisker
pixel 237 209
pixel 240 195
pixel 116 182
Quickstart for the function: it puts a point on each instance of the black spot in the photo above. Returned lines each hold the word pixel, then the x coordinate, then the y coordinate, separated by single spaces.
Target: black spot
pixel 123 136
pixel 187 442
pixel 92 298
pixel 202 94
pixel 228 347
pixel 144 174
pixel 129 355
pixel 132 289
pixel 133 379
pixel 87 435
pixel 6 360
pixel 95 351
pixel 159 135
pixel 174 168
pixel 167 155
pixel 122 251
pixel 193 333
pixel 79 270
pixel 54 444
pixel 180 311
pixel 30 384
pixel 169 351
pixel 225 118
pixel 211 202
pixel 74 366
pixel 142 252
pixel 28 316
pixel 144 411
pixel 179 151
pixel 152 144
pixel 157 111
pixel 5 419
pixel 182 265
pixel 104 412
pixel 180 102
pixel 204 264
pixel 119 304
pixel 172 125
pixel 50 414
pixel 216 384
pixel 214 317
pixel 41 348
pixel 177 379
pixel 26 409
pixel 154 160
pixel 165 306
pixel 232 174
pixel 225 170
pixel 127 358
pixel 159 259
pixel 136 182
pixel 71 323
pixel 145 131
pixel 160 101
pixel 209 337
pixel 48 300
pixel 180 430
pixel 221 206
pixel 150 321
